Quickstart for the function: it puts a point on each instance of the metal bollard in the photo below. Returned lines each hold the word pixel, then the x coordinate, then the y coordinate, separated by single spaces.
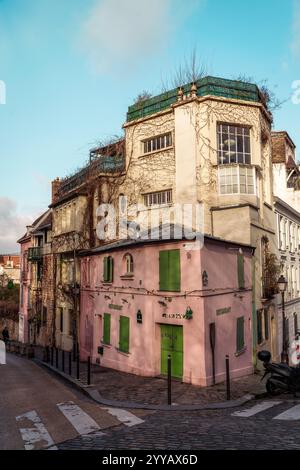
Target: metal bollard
pixel 89 370
pixel 227 378
pixel 70 363
pixel 169 380
pixel 56 358
pixel 63 360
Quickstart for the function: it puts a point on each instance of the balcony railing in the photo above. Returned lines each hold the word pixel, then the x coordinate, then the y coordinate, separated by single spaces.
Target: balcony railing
pixel 35 253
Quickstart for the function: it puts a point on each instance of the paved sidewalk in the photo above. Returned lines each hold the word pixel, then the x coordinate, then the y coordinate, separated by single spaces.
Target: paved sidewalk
pixel 112 385
pixel 115 385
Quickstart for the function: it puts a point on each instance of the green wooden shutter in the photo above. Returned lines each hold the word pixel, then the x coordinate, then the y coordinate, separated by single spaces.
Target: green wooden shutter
pixel 163 270
pixel 105 269
pixel 240 268
pixel 110 269
pixel 174 270
pixel 106 328
pixel 259 326
pixel 124 334
pixel 169 270
pixel 240 340
pixel 266 321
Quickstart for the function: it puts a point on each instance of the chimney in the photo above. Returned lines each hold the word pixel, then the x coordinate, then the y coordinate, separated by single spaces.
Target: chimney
pixel 55 187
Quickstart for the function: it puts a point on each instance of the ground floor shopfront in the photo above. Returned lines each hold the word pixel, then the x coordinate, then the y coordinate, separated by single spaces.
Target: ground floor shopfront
pixel 129 323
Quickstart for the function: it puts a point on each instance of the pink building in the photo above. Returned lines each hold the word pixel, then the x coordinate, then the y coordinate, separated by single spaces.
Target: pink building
pixel 144 300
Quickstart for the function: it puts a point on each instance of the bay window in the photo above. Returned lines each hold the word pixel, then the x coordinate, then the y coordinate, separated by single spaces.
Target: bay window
pixel 237 179
pixel 233 144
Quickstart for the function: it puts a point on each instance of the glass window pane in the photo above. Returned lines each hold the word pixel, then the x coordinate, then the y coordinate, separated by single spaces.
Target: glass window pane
pixel 240 158
pixel 247 159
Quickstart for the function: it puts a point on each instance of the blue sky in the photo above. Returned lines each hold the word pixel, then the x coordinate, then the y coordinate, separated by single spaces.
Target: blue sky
pixel 72 67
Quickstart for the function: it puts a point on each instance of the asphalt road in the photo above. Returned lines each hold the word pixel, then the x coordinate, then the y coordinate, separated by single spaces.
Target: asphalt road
pixel 38 411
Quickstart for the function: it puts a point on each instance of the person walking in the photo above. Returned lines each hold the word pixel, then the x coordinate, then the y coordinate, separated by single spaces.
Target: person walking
pixel 5 335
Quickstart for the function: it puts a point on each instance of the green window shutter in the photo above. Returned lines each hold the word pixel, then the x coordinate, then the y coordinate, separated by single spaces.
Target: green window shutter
pixel 110 269
pixel 105 269
pixel 174 270
pixel 240 340
pixel 266 321
pixel 169 270
pixel 124 334
pixel 106 328
pixel 259 326
pixel 241 274
pixel 163 270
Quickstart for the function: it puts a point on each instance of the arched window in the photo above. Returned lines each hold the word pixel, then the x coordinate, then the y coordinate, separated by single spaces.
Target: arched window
pixel 128 263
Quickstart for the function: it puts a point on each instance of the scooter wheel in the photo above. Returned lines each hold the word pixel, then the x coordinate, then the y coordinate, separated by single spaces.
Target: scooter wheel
pixel 272 389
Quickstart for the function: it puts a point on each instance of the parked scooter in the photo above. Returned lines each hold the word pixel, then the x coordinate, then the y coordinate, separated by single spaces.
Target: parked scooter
pixel 283 379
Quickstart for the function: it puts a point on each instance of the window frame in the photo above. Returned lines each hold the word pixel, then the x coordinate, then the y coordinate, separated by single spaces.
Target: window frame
pixel 225 167
pixel 236 127
pixel 167 202
pixel 156 139
pixel 128 262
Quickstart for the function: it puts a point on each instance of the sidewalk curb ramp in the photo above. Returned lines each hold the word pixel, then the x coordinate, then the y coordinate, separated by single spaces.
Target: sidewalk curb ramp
pixel 94 394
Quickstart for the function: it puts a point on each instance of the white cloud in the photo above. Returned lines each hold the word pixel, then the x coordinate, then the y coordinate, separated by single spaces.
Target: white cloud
pixel 12 225
pixel 117 34
pixel 295 45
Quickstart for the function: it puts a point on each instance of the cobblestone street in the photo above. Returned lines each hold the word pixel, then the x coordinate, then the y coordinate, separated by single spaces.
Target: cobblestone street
pixel 205 430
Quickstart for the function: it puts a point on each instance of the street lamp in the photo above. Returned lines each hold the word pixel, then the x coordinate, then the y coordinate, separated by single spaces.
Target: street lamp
pixel 282 283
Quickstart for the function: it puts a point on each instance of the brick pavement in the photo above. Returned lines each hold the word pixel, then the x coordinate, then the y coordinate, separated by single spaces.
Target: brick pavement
pixel 123 387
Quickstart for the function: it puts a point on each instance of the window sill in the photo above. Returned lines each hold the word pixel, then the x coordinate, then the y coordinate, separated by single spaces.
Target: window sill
pixel 124 353
pixel 162 290
pixel 106 283
pixel 156 152
pixel 106 345
pixel 127 277
pixel 156 206
pixel 242 351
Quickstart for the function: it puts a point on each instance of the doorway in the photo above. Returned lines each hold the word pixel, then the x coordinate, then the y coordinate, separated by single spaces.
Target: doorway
pixel 172 343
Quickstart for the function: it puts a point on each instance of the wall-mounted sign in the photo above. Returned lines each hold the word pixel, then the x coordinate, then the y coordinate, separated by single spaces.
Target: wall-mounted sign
pixel 115 307
pixel 178 316
pixel 139 317
pixel 222 311
pixel 204 279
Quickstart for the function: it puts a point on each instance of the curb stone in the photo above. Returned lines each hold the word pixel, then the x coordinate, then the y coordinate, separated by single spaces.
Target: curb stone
pixel 94 394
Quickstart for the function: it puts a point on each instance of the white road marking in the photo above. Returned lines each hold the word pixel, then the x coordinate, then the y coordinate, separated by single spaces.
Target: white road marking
pixel 35 434
pixel 291 414
pixel 79 419
pixel 265 405
pixel 129 419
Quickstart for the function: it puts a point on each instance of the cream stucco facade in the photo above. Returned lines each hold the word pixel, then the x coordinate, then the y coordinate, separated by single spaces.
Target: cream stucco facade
pixel 190 167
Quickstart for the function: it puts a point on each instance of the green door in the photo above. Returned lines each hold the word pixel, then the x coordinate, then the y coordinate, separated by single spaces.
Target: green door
pixel 172 343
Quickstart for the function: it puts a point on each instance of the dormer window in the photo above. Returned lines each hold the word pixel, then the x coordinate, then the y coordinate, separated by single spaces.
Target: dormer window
pixel 233 144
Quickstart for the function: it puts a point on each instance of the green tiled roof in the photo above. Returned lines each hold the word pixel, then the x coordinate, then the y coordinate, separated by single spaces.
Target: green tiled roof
pixel 205 86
